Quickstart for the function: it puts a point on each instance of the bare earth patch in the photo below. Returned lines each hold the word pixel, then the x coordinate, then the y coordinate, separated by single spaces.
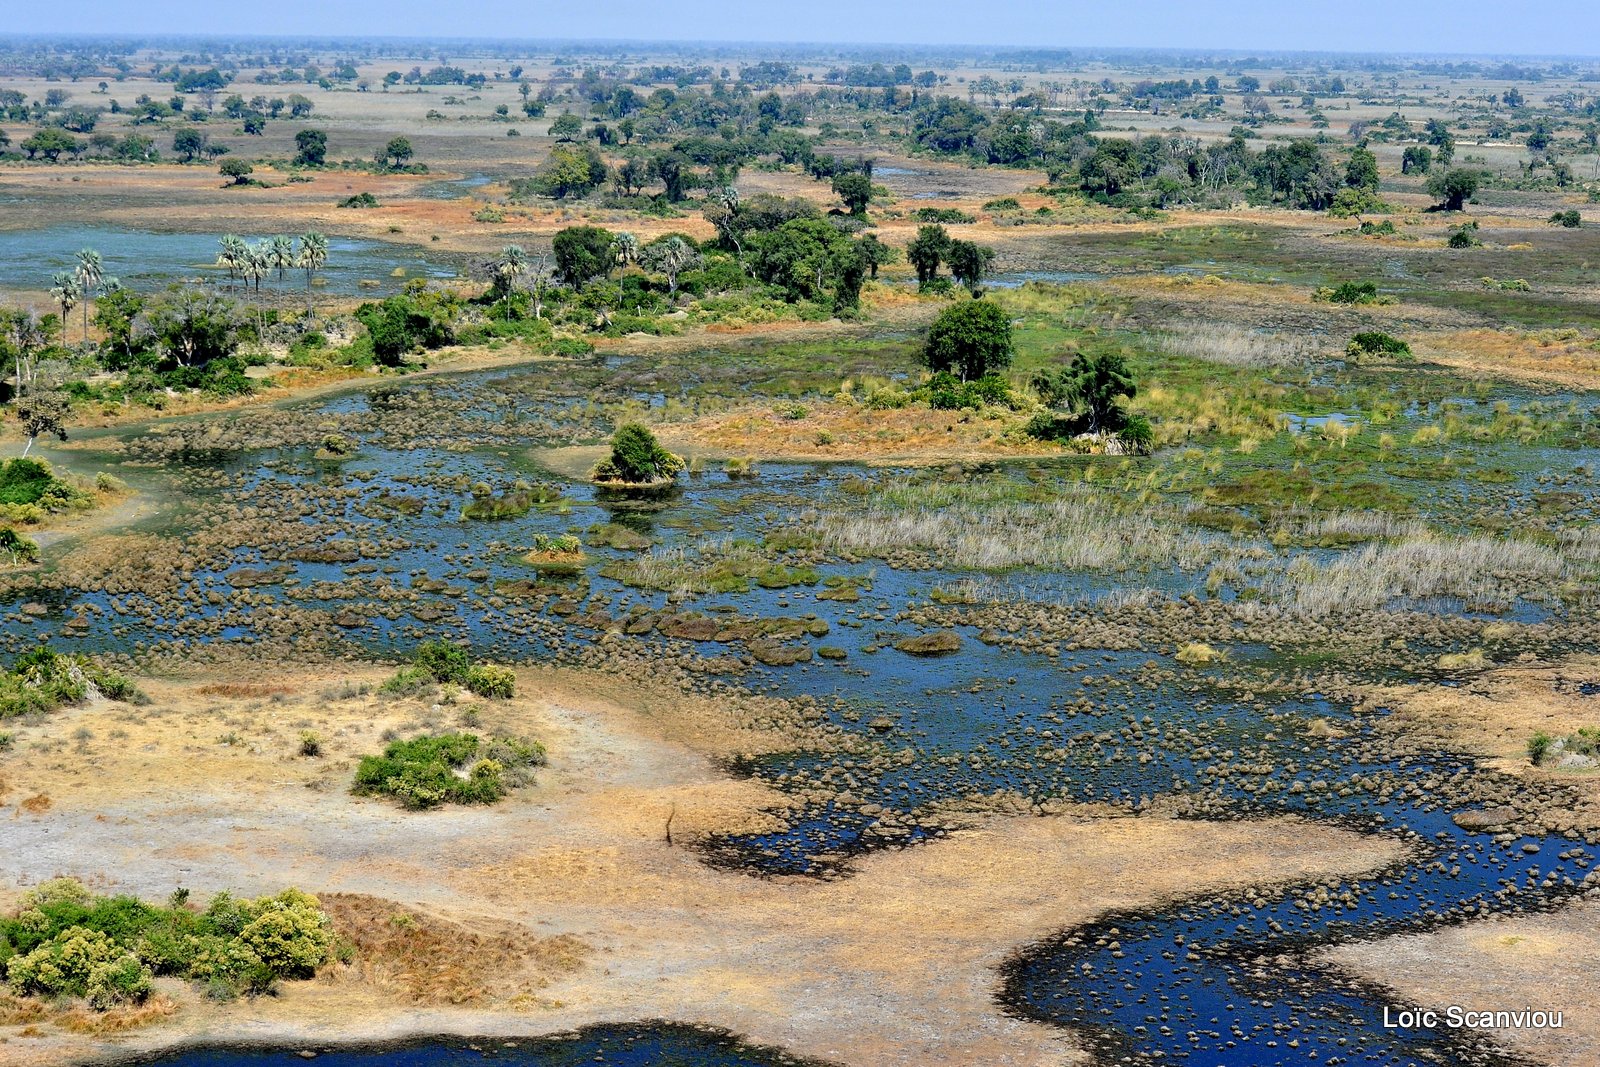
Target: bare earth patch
pixel 1543 962
pixel 565 904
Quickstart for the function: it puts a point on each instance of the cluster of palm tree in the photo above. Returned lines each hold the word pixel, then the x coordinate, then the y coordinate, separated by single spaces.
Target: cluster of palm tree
pixel 513 265
pixel 251 262
pixel 80 285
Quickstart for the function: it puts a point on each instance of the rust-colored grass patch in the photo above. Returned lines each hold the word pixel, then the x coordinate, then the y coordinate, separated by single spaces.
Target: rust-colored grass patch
pixel 911 434
pixel 429 959
pixel 19 1011
pixel 243 690
pixel 116 1020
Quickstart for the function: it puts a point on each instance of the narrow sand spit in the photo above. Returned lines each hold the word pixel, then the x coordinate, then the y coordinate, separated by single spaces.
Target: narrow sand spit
pixel 565 905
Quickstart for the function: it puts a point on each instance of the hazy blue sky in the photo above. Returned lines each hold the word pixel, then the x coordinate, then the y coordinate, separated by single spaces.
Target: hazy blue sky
pixel 1476 26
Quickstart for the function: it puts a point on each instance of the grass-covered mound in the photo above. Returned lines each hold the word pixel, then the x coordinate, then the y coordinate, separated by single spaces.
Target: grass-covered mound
pixel 44 680
pixel 435 769
pixel 62 941
pixel 561 554
pixel 439 663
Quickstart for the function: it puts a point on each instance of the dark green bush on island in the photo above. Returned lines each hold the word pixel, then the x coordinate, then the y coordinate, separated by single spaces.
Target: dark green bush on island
pixel 637 458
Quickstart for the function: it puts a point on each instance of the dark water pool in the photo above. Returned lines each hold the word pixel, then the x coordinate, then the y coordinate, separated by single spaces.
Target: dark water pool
pixel 644 1045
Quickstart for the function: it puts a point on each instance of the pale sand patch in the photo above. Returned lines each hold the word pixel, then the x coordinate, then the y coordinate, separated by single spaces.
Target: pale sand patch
pixel 895 965
pixel 1543 962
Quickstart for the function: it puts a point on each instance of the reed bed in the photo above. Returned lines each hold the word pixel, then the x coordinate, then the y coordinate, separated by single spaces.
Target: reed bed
pixel 1235 346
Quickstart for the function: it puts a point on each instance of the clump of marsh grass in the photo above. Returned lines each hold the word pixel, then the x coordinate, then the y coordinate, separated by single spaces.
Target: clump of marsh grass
pixel 1478 570
pixel 1235 346
pixel 994 526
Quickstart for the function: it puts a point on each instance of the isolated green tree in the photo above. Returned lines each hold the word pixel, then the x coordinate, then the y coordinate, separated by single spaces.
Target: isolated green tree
pixel 1093 387
pixel 1362 170
pixel 970 339
pixel 238 170
pixel 1454 188
pixel 397 153
pixel 583 253
pixel 566 127
pixel 188 144
pixel 968 263
pixel 855 190
pixel 311 148
pixel 927 250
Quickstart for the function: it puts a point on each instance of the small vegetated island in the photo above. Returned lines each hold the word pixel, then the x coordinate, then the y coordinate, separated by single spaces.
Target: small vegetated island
pixel 449 768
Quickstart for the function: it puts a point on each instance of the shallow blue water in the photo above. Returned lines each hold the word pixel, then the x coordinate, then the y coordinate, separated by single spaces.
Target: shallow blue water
pixel 147 261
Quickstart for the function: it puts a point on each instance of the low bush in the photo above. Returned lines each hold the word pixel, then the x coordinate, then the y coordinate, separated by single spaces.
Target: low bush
pixel 62 941
pixel 1376 346
pixel 1354 293
pixel 359 200
pixel 439 662
pixel 946 392
pixel 1570 219
pixel 1466 236
pixel 943 215
pixel 436 769
pixel 44 680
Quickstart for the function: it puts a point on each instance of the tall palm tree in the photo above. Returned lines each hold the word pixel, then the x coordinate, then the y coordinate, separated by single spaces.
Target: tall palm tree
pixel 626 246
pixel 511 265
pixel 280 251
pixel 256 265
pixel 232 255
pixel 312 257
pixel 66 291
pixel 90 272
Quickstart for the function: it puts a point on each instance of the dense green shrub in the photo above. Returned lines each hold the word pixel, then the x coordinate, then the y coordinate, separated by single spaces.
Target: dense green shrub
pixel 30 481
pixel 1354 293
pixel 943 215
pixel 17 548
pixel 946 392
pixel 441 661
pixel 1464 237
pixel 44 680
pixel 1570 219
pixel 488 680
pixel 424 771
pixel 637 458
pixel 63 941
pixel 971 339
pixel 445 661
pixel 1376 345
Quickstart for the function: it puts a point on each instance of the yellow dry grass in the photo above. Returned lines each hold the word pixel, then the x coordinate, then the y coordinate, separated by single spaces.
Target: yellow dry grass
pixel 1562 357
